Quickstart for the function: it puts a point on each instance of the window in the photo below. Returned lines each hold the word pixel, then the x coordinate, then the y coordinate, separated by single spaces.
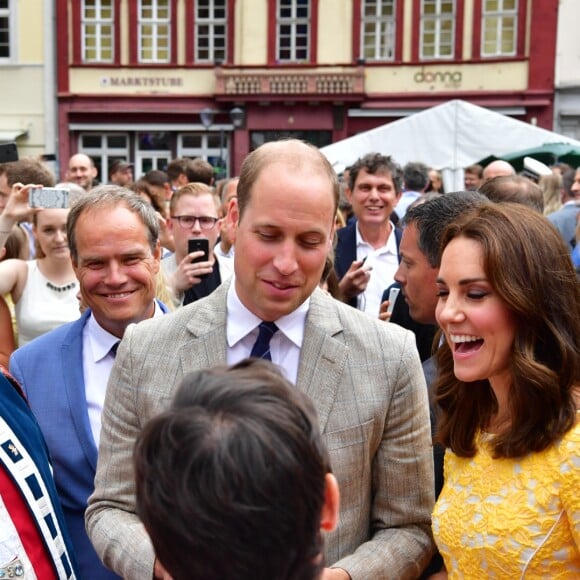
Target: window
pixel 210 31
pixel 6 50
pixel 213 146
pixel 104 148
pixel 499 24
pixel 437 29
pixel 293 30
pixel 154 19
pixel 378 30
pixel 97 24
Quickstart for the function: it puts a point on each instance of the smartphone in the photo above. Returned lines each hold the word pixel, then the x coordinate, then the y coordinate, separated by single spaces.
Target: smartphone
pixel 197 245
pixel 48 197
pixel 393 293
pixel 8 152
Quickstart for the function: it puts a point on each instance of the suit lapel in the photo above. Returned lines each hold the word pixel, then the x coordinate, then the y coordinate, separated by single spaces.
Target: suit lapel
pixel 323 357
pixel 206 346
pixel 71 355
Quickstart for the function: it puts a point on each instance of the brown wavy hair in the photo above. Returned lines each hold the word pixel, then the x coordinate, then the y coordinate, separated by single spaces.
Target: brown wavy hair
pixel 529 267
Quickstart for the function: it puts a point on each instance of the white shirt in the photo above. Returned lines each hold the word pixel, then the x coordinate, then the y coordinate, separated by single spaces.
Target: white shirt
pixel 384 262
pixel 242 332
pixel 97 364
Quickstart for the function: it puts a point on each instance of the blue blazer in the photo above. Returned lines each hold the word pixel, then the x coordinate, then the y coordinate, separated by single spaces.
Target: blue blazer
pixel 50 370
pixel 345 251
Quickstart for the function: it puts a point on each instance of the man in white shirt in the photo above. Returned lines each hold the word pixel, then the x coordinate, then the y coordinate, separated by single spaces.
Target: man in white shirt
pixel 113 239
pixel 366 255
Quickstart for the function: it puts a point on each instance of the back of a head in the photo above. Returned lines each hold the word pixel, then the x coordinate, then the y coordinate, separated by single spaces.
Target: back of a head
pixel 200 171
pixel 415 176
pixel 156 177
pixel 514 189
pixel 497 168
pixel 28 171
pixel 230 481
pixel 431 217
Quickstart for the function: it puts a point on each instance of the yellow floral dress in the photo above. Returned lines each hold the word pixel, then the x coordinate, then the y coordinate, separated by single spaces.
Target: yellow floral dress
pixel 507 518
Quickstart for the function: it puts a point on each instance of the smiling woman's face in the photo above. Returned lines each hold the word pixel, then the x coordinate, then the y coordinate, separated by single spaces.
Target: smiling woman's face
pixel 479 328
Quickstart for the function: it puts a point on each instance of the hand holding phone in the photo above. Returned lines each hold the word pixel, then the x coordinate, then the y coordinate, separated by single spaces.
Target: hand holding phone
pixel 198 245
pixel 393 293
pixel 48 197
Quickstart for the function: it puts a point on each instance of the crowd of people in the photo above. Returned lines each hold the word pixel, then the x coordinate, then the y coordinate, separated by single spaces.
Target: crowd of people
pixel 432 435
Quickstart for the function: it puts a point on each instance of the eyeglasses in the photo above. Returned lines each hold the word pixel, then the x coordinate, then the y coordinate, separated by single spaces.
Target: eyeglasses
pixel 188 221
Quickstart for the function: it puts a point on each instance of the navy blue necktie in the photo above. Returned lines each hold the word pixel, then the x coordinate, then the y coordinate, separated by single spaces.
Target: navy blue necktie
pixel 114 348
pixel 261 348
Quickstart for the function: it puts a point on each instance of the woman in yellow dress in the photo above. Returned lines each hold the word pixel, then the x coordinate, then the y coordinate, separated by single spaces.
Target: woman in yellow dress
pixel 508 393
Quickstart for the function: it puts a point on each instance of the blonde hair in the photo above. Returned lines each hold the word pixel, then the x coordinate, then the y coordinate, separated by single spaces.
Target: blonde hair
pixel 551 186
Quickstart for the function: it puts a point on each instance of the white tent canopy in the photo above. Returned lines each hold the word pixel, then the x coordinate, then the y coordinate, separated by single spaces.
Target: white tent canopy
pixel 447 137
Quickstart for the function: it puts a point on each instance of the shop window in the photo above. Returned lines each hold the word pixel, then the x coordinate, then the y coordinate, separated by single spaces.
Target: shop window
pixel 103 149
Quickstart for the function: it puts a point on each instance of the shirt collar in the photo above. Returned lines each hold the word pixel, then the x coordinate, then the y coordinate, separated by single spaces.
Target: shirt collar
pixel 389 247
pixel 241 322
pixel 102 340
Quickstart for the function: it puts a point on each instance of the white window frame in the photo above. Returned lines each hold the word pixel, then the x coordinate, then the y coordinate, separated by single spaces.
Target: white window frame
pixel 10 13
pixel 437 20
pixel 212 23
pixel 156 23
pixel 378 32
pixel 215 145
pixel 294 22
pixel 501 15
pixel 104 152
pixel 99 22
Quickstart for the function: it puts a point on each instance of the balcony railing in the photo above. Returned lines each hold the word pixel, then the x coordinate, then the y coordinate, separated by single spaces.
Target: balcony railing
pixel 248 83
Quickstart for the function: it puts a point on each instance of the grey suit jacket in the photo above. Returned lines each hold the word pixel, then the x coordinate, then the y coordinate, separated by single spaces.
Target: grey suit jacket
pixel 366 381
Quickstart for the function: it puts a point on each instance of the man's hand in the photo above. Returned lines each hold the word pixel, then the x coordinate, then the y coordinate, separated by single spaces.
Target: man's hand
pixel 334 574
pixel 383 314
pixel 189 273
pixel 356 279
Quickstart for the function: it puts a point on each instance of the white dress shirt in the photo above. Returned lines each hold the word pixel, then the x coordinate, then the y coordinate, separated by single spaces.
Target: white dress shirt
pixel 242 332
pixel 97 364
pixel 384 262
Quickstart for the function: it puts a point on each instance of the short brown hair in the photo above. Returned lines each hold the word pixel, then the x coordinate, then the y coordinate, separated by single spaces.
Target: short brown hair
pixel 28 171
pixel 196 189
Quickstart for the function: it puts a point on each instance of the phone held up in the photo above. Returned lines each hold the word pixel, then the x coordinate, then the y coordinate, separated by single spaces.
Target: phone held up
pixel 198 245
pixel 48 197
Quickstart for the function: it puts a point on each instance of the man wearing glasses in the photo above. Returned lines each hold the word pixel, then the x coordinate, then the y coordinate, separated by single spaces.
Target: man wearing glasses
pixel 194 214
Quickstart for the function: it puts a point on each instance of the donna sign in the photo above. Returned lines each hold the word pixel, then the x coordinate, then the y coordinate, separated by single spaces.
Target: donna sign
pixel 447 78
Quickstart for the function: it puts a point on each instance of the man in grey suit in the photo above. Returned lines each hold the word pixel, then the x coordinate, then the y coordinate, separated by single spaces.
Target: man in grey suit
pixel 363 376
